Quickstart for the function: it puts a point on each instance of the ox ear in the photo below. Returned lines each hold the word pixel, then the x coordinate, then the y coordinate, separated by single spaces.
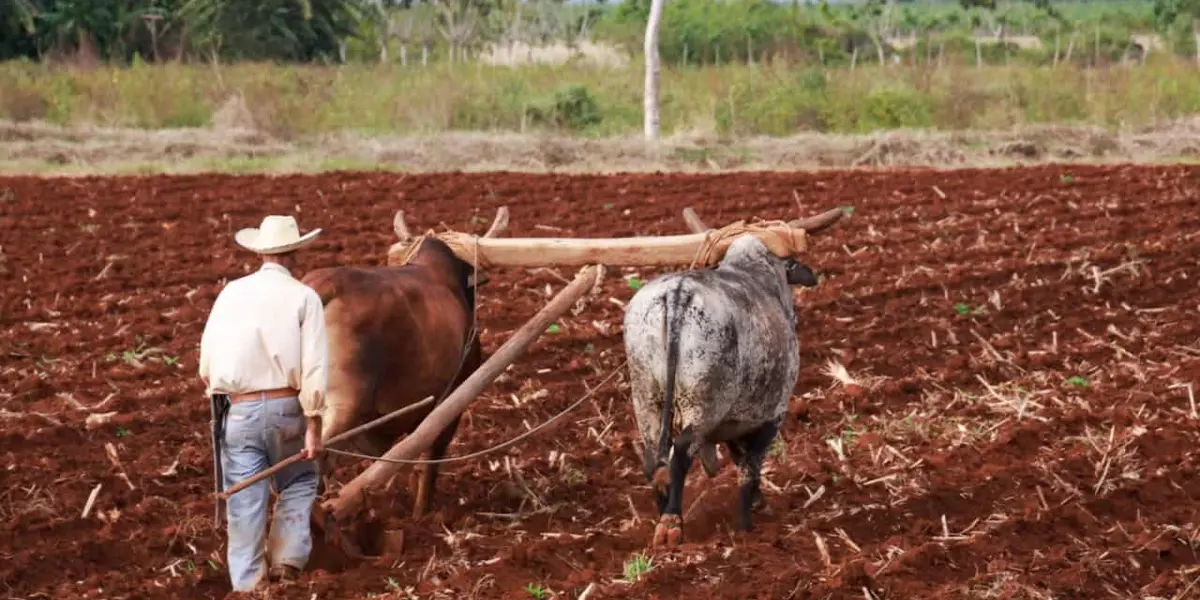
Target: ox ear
pixel 801 274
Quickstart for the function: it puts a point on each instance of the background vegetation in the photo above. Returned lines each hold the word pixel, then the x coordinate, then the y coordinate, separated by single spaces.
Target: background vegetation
pixel 738 67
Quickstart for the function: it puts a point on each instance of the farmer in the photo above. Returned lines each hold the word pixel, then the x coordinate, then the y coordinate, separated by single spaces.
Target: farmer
pixel 263 359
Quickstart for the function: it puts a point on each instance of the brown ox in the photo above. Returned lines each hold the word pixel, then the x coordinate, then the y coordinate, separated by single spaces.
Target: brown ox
pixel 397 335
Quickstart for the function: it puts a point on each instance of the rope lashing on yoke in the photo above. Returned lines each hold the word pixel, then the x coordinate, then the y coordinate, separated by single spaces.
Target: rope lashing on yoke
pixel 790 243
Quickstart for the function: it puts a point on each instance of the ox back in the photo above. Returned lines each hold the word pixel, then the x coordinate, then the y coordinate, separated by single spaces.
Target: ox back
pixel 397 335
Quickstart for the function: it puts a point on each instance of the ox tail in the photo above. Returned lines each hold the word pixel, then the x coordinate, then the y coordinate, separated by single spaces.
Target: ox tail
pixel 673 311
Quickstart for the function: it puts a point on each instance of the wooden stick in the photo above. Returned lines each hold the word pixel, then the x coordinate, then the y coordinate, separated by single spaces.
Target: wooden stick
pixel 91 501
pixel 345 435
pixel 351 494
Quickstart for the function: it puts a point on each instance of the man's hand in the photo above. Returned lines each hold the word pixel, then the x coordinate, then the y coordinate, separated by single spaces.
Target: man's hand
pixel 312 439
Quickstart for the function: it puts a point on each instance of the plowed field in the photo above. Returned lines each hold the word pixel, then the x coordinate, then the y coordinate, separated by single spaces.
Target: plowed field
pixel 1022 425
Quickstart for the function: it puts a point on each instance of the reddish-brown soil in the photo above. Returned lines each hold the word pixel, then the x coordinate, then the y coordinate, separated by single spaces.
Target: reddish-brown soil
pixel 1021 428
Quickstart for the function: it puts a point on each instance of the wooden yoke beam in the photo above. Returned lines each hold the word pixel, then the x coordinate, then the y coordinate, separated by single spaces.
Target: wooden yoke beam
pixel 704 246
pixel 349 497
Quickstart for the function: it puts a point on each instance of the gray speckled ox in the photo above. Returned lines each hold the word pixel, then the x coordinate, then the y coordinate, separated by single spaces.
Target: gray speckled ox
pixel 713 358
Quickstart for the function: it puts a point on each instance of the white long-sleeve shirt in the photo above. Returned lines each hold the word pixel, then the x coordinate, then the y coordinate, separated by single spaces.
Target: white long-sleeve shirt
pixel 267 331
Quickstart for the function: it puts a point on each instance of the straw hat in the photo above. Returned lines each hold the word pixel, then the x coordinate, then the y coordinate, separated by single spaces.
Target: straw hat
pixel 276 235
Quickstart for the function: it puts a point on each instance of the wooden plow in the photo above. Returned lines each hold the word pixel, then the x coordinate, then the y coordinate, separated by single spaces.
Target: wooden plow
pixel 705 246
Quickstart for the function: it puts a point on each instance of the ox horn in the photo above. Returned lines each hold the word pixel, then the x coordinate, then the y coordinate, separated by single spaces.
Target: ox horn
pixel 693 221
pixel 498 228
pixel 400 227
pixel 821 222
pixel 499 224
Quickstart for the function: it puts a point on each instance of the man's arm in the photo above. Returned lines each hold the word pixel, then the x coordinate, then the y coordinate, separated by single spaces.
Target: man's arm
pixel 207 339
pixel 314 357
pixel 314 360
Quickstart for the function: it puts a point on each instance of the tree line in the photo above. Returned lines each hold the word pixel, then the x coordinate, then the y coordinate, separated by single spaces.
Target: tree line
pixel 117 31
pixel 693 32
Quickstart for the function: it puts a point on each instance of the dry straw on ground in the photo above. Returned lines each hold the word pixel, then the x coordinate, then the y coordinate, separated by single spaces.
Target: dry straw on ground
pixel 234 144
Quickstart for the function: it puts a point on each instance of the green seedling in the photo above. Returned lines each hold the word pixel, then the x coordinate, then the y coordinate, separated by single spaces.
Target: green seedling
pixel 963 308
pixel 637 567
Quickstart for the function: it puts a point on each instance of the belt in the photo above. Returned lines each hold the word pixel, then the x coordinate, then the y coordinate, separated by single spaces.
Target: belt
pixel 263 395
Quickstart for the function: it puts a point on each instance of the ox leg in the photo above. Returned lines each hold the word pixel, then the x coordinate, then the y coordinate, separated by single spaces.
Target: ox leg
pixel 753 446
pixel 427 476
pixel 429 471
pixel 651 467
pixel 346 402
pixel 669 531
pixel 737 455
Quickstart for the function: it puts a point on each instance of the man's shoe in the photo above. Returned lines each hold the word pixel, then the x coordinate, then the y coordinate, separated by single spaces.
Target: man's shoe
pixel 284 573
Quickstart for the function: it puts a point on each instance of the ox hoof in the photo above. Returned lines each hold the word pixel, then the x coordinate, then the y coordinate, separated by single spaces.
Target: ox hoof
pixel 668 533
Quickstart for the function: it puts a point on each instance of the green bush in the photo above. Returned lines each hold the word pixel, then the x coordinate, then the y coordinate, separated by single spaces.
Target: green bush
pixel 572 108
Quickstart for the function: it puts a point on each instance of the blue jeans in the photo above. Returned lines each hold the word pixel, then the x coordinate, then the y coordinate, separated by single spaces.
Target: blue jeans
pixel 258 434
